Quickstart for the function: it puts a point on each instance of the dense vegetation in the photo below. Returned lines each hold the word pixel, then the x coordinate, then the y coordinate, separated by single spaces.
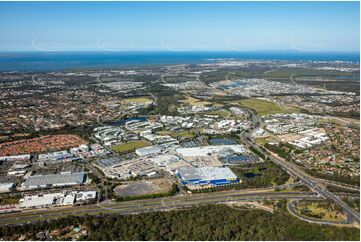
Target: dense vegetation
pixel 264 175
pixel 211 222
pixel 352 180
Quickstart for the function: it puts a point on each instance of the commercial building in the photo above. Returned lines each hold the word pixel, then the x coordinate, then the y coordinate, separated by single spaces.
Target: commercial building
pixel 15 158
pixel 209 150
pixel 151 150
pixel 56 157
pixel 170 163
pixel 56 180
pixel 39 201
pixel 56 199
pixel 6 187
pixel 108 134
pixel 86 195
pixel 207 176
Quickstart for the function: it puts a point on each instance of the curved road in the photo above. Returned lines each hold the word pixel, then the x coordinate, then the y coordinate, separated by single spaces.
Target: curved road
pixel 291 208
pixel 309 181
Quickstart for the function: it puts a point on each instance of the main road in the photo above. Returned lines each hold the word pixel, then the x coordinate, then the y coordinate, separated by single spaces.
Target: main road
pixel 313 183
pixel 148 205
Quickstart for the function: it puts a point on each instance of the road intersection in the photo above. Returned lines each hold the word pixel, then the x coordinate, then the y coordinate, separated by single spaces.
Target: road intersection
pixel 313 183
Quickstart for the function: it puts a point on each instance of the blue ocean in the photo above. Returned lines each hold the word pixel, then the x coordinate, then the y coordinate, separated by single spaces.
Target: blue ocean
pixel 57 61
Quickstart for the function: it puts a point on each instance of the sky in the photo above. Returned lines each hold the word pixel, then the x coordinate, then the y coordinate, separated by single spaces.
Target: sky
pixel 179 26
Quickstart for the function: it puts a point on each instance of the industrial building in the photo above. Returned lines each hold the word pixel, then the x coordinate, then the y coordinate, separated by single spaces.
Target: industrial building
pixel 209 150
pixel 56 180
pixel 151 150
pixel 55 199
pixel 207 176
pixel 56 157
pixel 108 134
pixel 39 201
pixel 15 158
pixel 6 187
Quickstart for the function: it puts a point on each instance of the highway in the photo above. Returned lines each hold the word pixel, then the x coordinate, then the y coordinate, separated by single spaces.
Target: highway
pixel 311 182
pixel 184 201
pixel 148 205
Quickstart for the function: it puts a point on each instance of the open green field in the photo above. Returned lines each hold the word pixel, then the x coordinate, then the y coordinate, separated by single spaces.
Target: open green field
pixel 221 112
pixel 262 107
pixel 196 102
pixel 127 147
pixel 183 134
pixel 287 72
pixel 320 211
pixel 140 100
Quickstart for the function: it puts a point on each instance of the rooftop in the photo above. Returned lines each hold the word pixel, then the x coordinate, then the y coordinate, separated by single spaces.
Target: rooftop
pixel 206 173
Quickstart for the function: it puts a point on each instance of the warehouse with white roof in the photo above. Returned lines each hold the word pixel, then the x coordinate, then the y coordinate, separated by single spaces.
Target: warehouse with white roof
pixel 55 180
pixel 207 176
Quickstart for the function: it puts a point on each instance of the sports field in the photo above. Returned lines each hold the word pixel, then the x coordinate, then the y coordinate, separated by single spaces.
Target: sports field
pixel 131 146
pixel 262 107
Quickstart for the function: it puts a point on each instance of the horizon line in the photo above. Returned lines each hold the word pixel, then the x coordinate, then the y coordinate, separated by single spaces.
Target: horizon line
pixel 178 51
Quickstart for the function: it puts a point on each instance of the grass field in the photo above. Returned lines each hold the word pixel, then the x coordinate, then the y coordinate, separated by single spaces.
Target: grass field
pixel 196 102
pixel 164 132
pixel 221 112
pixel 262 141
pixel 262 107
pixel 321 212
pixel 140 100
pixel 127 147
pixel 183 134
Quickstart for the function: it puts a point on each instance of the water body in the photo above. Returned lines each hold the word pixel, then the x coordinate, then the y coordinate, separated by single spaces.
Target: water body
pixel 353 78
pixel 250 175
pixel 56 61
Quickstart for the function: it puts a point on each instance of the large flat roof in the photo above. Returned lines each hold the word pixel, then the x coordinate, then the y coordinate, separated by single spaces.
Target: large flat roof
pixel 56 179
pixel 206 173
pixel 207 150
pixel 39 201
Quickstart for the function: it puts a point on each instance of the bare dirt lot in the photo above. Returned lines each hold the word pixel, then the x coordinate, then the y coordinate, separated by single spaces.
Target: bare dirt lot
pixel 145 187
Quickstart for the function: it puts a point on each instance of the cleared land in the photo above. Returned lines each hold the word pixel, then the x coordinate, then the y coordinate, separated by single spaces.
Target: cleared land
pixel 145 187
pixel 262 107
pixel 131 146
